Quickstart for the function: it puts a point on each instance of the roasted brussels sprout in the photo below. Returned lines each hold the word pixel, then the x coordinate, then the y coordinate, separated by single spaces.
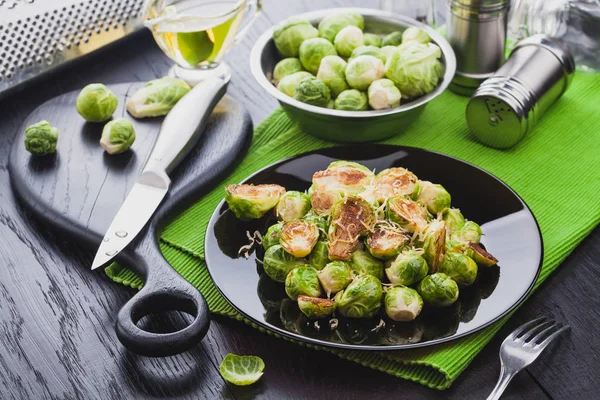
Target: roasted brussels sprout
pixel 409 214
pixel 271 238
pixel 41 138
pixel 480 255
pixel 292 205
pixel 302 280
pixel 332 72
pixel 371 39
pixel 313 92
pixel 392 39
pixel 286 67
pixel 414 34
pixel 299 237
pixel 386 242
pixel 351 100
pixel 290 34
pixel 335 276
pixel 288 84
pixel 415 68
pixel 312 51
pixel 368 51
pixel 252 202
pixel 455 245
pixel 393 182
pixel 402 303
pixel 157 97
pixel 408 268
pixel 364 263
pixel 383 94
pixel 438 290
pixel 347 40
pixel 351 218
pixel 363 70
pixel 461 268
pixel 321 222
pixel 315 307
pixel 454 219
pixel 361 298
pixel 277 263
pixel 434 197
pixel 322 200
pixel 434 245
pixel 470 232
pixel 319 256
pixel 331 25
pixel 117 136
pixel 96 103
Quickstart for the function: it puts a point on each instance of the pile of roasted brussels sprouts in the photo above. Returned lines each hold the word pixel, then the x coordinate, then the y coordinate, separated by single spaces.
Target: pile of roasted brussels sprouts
pixel 358 242
pixel 339 66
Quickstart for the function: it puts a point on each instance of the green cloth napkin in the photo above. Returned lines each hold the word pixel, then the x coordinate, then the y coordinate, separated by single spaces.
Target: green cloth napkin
pixel 555 169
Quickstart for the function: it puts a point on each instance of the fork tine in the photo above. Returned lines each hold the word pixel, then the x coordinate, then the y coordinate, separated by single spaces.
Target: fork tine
pixel 522 328
pixel 536 330
pixel 543 332
pixel 553 336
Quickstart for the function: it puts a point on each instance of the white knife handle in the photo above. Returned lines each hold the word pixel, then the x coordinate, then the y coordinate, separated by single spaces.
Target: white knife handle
pixel 180 130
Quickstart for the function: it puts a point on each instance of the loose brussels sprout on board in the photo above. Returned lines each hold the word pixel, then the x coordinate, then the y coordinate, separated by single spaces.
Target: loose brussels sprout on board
pixel 402 303
pixel 302 280
pixel 361 298
pixel 292 205
pixel 290 34
pixel 286 67
pixel 335 277
pixel 96 103
pixel 332 72
pixel 41 138
pixel 252 202
pixel 157 97
pixel 117 136
pixel 299 237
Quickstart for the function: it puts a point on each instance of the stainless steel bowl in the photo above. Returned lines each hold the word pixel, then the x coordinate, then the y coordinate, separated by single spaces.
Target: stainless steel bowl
pixel 351 126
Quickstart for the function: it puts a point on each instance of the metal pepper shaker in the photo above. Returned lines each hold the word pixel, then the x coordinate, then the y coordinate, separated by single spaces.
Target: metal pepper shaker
pixel 477 32
pixel 507 105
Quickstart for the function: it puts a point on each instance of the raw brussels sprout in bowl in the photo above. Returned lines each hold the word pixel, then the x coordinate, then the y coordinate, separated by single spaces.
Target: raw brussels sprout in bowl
pixel 329 54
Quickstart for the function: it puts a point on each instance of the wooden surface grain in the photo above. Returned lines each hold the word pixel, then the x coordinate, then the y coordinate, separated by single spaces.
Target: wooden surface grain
pixel 57 317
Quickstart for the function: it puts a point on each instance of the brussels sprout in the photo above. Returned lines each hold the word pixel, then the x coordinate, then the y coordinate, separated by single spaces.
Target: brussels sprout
pixel 470 232
pixel 319 256
pixel 351 100
pixel 480 255
pixel 461 268
pixel 387 51
pixel 406 213
pixel 321 222
pixel 96 103
pixel 455 245
pixel 302 280
pixel 361 299
pixel 383 94
pixel 372 39
pixel 332 72
pixel 392 39
pixel 157 97
pixel 312 51
pixel 415 68
pixel 434 245
pixel 438 290
pixel 364 263
pixel 406 269
pixel 434 197
pixel 363 70
pixel 331 25
pixel 347 40
pixel 290 34
pixel 271 238
pixel 414 34
pixel 403 303
pixel 41 138
pixel 335 277
pixel 346 176
pixel 454 219
pixel 299 237
pixel 323 200
pixel 393 182
pixel 117 136
pixel 286 67
pixel 252 202
pixel 289 83
pixel 314 307
pixel 292 205
pixel 367 51
pixel 277 263
pixel 386 242
pixel 313 92
pixel 351 218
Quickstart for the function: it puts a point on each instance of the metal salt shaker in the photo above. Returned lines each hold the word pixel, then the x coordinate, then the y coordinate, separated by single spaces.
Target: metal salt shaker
pixel 507 105
pixel 477 32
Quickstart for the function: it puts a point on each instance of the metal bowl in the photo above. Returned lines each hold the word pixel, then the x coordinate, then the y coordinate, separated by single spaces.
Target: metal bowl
pixel 351 126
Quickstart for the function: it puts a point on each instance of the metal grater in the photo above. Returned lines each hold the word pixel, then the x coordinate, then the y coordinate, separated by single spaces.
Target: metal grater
pixel 36 36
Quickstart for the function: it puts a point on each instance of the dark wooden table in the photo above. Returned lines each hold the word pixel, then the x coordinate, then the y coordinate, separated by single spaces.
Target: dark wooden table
pixel 57 316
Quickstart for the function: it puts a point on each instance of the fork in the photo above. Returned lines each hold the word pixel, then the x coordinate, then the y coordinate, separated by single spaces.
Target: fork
pixel 522 347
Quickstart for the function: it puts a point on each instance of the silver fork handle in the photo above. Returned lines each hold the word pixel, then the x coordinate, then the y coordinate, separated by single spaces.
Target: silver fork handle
pixel 503 381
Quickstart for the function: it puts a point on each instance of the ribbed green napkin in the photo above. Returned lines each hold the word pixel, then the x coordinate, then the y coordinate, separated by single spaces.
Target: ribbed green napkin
pixel 556 170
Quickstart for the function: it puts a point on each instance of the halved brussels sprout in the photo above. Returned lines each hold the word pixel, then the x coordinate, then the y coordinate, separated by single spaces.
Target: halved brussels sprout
pixel 277 263
pixel 386 242
pixel 480 255
pixel 315 307
pixel 374 51
pixel 323 200
pixel 470 232
pixel 292 205
pixel 351 100
pixel 302 280
pixel 319 256
pixel 455 245
pixel 414 34
pixel 331 25
pixel 393 182
pixel 371 39
pixel 454 219
pixel 461 268
pixel 288 84
pixel 434 245
pixel 286 67
pixel 351 218
pixel 415 68
pixel 332 72
pixel 361 298
pixel 312 51
pixel 402 303
pixel 313 92
pixel 347 40
pixel 383 94
pixel 299 237
pixel 290 34
pixel 434 197
pixel 252 202
pixel 438 290
pixel 271 238
pixel 392 39
pixel 157 97
pixel 408 214
pixel 363 70
pixel 364 263
pixel 335 276
pixel 408 268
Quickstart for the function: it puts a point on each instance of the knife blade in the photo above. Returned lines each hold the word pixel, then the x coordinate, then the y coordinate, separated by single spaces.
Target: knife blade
pixel 179 132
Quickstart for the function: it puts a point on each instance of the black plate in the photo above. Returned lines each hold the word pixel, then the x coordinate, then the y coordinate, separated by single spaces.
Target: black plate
pixel 511 233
